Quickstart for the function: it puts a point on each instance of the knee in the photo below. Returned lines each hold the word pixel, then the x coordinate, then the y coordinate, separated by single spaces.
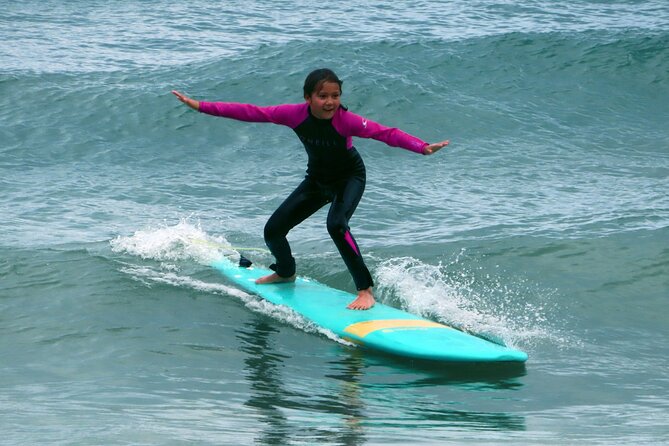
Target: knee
pixel 273 230
pixel 336 228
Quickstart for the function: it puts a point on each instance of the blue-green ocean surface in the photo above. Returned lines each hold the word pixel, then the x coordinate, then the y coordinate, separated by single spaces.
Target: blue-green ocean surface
pixel 544 225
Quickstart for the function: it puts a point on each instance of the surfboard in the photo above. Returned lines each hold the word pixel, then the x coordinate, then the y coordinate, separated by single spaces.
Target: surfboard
pixel 383 328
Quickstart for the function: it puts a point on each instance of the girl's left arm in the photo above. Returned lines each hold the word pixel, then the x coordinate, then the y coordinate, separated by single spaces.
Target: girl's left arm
pixel 354 125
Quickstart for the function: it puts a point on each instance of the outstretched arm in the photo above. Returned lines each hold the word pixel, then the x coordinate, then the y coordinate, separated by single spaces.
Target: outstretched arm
pixel 349 124
pixel 434 148
pixel 192 103
pixel 290 115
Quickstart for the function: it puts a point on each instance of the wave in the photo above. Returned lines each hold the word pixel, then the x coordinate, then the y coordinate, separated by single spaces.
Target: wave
pixel 555 80
pixel 60 40
pixel 552 132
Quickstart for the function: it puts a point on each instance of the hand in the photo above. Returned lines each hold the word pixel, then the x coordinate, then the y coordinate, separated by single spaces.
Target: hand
pixel 192 103
pixel 434 148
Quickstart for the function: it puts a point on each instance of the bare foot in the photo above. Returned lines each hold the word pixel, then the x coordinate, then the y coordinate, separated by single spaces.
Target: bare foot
pixel 274 278
pixel 364 301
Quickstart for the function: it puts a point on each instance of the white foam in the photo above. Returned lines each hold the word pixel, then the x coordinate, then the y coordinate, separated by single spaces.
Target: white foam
pixel 456 299
pixel 183 241
pixel 187 241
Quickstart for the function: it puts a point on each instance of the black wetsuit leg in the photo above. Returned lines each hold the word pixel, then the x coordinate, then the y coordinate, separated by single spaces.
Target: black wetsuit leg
pixel 306 199
pixel 347 195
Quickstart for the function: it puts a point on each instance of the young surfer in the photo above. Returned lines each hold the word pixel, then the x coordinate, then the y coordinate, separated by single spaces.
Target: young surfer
pixel 335 171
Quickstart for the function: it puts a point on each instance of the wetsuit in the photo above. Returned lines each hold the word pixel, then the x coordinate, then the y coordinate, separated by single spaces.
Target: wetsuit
pixel 335 174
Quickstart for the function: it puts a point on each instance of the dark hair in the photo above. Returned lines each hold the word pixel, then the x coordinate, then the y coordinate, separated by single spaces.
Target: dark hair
pixel 317 78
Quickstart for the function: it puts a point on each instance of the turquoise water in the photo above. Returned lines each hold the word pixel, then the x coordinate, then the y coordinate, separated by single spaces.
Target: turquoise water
pixel 544 225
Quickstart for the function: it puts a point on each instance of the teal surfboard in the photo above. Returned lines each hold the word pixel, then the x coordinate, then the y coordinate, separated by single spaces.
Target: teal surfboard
pixel 382 327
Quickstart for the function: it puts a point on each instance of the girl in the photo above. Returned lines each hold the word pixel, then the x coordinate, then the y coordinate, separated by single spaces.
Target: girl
pixel 335 171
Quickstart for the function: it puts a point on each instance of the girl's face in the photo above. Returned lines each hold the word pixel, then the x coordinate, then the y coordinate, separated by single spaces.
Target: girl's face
pixel 325 102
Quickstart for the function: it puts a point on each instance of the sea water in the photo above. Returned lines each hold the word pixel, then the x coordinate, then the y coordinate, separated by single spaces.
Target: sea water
pixel 544 225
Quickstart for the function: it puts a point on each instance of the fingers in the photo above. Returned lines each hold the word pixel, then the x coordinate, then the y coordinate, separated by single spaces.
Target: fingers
pixel 433 148
pixel 186 100
pixel 179 96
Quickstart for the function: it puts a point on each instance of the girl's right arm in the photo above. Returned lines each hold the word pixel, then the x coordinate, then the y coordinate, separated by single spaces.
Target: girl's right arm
pixel 290 115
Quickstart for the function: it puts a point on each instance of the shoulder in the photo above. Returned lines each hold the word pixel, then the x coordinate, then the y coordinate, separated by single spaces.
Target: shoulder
pixel 291 114
pixel 349 123
pixel 290 108
pixel 287 114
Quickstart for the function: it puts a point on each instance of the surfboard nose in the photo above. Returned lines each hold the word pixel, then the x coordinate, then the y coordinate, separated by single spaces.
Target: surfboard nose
pixel 424 339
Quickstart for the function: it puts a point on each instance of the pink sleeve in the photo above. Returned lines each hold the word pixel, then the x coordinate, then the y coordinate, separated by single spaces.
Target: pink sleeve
pixel 290 115
pixel 349 124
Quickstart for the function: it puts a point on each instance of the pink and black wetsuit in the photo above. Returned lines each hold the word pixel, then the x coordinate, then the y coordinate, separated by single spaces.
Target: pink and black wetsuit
pixel 335 174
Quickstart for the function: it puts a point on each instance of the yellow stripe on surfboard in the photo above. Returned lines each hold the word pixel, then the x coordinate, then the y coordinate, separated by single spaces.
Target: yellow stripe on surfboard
pixel 362 329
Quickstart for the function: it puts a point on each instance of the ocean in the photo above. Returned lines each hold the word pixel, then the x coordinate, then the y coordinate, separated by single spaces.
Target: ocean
pixel 544 225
